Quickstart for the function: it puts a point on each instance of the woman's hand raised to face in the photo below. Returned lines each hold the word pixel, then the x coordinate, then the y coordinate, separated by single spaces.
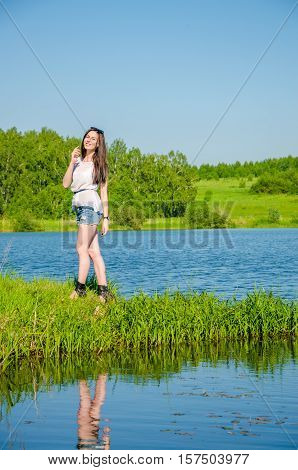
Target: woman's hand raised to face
pixel 75 155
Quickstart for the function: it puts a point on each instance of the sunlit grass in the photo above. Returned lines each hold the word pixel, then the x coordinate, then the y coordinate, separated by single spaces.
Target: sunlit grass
pixel 37 318
pixel 248 209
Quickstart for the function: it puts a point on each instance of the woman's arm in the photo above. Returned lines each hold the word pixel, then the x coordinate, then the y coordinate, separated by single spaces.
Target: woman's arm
pixel 104 198
pixel 67 179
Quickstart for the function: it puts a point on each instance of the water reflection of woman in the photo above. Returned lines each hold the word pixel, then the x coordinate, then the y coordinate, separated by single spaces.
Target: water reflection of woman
pixel 89 416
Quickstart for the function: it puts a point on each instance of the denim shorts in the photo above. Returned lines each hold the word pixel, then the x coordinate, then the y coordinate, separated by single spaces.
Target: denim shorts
pixel 87 215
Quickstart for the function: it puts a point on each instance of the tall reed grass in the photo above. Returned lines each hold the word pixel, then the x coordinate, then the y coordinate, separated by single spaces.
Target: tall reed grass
pixel 38 319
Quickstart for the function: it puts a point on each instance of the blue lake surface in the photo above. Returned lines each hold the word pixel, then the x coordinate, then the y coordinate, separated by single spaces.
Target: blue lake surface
pixel 229 404
pixel 226 261
pixel 245 399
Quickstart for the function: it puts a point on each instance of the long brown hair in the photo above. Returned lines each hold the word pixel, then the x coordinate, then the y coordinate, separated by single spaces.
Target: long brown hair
pixel 100 171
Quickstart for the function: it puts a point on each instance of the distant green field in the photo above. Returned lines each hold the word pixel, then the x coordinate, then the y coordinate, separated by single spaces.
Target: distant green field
pixel 250 210
pixel 246 209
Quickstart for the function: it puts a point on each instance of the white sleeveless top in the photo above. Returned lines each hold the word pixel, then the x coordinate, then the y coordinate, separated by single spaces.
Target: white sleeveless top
pixel 82 179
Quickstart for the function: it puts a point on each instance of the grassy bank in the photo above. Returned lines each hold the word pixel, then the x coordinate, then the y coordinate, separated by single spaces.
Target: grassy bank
pixel 247 210
pixel 37 318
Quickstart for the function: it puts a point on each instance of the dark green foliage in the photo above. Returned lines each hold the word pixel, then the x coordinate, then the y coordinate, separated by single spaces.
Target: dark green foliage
pixel 161 185
pixel 273 215
pixel 32 166
pixel 197 214
pixel 278 182
pixel 208 195
pixel 24 222
pixel 129 216
pixel 219 219
pixel 141 186
pixel 247 169
pixel 202 214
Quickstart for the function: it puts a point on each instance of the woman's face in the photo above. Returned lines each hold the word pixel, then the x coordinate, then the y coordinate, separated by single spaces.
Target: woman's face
pixel 91 140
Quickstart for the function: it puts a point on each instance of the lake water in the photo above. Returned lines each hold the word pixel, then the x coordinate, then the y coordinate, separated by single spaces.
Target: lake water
pixel 226 261
pixel 209 397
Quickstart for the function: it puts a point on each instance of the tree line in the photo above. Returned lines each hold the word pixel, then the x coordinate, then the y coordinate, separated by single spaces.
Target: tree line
pixel 248 169
pixel 32 166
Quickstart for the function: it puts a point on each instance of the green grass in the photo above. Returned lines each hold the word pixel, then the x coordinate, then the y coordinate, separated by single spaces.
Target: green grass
pixel 49 225
pixel 38 319
pixel 250 210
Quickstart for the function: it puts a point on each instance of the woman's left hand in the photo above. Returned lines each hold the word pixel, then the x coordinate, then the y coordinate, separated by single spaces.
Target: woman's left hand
pixel 105 227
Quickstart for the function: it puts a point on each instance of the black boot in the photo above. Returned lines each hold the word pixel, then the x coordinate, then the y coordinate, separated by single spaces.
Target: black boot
pixel 103 291
pixel 80 289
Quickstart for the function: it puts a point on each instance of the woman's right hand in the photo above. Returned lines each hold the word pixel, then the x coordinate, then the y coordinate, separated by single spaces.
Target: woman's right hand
pixel 75 155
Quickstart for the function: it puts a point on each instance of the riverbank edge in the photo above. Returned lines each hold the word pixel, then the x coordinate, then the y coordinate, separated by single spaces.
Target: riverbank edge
pixel 69 225
pixel 39 319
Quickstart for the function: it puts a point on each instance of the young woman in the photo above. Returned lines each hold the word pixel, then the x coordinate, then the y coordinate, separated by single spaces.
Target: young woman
pixel 87 171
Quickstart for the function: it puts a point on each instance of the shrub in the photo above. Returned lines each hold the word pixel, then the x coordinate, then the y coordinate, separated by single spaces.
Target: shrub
pixel 208 195
pixel 197 214
pixel 173 208
pixel 279 182
pixel 24 222
pixel 219 219
pixel 273 215
pixel 128 216
pixel 294 220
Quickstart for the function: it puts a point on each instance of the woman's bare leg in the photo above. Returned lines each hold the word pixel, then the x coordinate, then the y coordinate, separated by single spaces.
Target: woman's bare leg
pixel 99 265
pixel 86 234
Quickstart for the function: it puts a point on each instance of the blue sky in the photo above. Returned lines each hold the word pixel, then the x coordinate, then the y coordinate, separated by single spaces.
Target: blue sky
pixel 157 74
